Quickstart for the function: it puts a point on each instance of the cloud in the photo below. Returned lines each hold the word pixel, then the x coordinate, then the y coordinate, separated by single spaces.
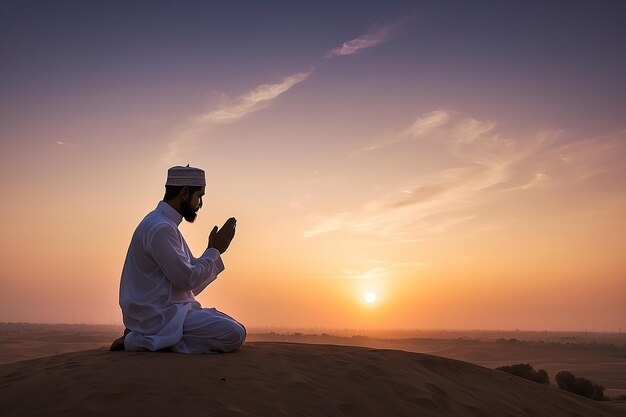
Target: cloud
pixel 382 271
pixel 483 165
pixel 555 162
pixel 584 159
pixel 540 179
pixel 419 194
pixel 61 143
pixel 428 122
pixel 419 129
pixel 371 274
pixel 326 225
pixel 232 111
pixel 250 102
pixel 373 37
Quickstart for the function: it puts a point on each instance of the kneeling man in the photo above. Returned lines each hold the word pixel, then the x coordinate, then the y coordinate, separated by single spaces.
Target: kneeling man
pixel 160 278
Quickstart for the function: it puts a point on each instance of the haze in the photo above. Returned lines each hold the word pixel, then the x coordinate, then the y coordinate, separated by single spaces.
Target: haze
pixel 462 163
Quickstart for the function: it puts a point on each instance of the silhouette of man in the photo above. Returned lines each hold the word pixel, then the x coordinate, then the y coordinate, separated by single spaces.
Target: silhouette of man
pixel 160 278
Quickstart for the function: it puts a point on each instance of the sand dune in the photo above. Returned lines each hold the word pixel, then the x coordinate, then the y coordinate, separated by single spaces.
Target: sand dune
pixel 271 379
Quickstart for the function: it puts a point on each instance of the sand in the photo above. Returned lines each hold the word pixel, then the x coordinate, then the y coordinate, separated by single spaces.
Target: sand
pixel 21 341
pixel 277 379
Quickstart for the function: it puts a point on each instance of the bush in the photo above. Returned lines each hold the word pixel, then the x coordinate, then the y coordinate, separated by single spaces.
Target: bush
pixel 524 370
pixel 581 386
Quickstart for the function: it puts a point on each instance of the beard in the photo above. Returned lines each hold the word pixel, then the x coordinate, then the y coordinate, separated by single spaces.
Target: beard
pixel 188 212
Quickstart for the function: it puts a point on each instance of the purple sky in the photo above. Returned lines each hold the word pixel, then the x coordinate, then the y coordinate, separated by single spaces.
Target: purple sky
pixel 436 153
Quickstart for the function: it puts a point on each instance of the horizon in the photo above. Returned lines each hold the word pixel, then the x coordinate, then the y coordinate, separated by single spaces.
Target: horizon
pixel 315 330
pixel 411 165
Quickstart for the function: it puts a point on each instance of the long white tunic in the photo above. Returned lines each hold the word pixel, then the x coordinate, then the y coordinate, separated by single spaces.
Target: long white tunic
pixel 159 280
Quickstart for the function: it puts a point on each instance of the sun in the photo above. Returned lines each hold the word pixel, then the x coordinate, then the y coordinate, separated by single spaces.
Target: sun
pixel 370 297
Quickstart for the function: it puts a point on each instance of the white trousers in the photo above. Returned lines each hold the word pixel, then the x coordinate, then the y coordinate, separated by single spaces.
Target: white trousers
pixel 208 330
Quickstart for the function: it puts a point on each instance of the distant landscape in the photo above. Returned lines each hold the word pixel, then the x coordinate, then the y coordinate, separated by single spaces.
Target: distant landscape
pixel 600 357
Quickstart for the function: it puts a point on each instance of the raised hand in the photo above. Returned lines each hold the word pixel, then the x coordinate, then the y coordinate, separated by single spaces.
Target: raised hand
pixel 220 239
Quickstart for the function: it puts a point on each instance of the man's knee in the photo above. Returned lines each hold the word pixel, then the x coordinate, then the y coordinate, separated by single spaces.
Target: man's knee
pixel 237 337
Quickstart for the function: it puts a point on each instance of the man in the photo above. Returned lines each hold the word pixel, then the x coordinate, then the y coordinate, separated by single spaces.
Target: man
pixel 160 278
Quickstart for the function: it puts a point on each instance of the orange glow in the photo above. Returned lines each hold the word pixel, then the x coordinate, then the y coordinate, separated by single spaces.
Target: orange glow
pixel 461 192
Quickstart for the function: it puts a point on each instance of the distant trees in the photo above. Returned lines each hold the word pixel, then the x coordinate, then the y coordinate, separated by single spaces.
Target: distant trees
pixel 581 386
pixel 524 370
pixel 564 379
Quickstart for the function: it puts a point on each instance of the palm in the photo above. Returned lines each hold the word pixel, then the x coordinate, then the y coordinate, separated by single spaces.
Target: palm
pixel 220 239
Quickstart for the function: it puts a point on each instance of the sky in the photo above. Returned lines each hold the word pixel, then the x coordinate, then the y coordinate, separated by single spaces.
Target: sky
pixel 391 165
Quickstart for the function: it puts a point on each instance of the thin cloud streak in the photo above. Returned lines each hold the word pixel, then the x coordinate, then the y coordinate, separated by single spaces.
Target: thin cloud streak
pixel 326 225
pixel 257 99
pixel 422 126
pixel 372 38
pixel 539 180
pixel 487 165
pixel 371 274
pixel 429 122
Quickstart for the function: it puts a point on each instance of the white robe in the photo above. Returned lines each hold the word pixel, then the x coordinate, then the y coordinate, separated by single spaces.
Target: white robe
pixel 157 287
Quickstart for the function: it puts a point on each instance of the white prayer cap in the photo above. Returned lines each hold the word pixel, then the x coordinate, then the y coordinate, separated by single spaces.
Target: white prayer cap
pixel 181 176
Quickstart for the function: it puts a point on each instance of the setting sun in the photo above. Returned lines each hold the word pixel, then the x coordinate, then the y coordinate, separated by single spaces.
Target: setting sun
pixel 370 297
pixel 383 172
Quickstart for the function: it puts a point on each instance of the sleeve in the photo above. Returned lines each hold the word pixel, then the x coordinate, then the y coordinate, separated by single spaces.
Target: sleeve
pixel 178 268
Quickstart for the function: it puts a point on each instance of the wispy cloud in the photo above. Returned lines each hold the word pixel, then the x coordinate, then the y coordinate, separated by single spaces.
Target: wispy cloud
pixel 428 122
pixel 422 126
pixel 373 37
pixel 370 274
pixel 538 180
pixel 486 164
pixel 233 110
pixel 383 270
pixel 252 101
pixel 327 224
pixel 419 194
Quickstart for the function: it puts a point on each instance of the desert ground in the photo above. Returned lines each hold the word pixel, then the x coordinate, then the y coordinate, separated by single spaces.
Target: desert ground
pixel 600 357
pixel 430 372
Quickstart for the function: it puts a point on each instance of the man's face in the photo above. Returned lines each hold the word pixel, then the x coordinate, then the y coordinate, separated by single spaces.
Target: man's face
pixel 191 205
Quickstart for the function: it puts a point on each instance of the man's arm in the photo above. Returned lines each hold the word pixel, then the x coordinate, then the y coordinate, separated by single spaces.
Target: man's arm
pixel 172 259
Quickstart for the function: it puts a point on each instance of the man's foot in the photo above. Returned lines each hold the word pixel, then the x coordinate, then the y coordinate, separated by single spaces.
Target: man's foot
pixel 118 344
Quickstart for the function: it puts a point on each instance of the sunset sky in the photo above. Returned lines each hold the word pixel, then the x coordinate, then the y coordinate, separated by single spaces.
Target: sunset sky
pixel 464 162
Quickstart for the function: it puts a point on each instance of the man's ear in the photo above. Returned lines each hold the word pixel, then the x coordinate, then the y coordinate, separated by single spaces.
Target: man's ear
pixel 184 193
